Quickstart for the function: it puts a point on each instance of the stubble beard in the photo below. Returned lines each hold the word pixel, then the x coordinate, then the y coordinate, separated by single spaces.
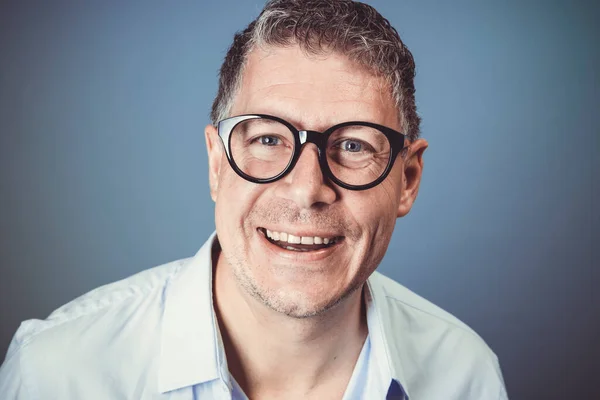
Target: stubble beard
pixel 295 305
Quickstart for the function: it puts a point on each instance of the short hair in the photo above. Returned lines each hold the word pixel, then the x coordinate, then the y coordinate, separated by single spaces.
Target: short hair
pixel 319 27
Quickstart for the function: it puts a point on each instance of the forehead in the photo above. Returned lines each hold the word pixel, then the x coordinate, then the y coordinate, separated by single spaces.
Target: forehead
pixel 312 91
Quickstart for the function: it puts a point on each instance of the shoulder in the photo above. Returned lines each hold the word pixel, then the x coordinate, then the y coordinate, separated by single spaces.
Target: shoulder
pixel 112 332
pixel 401 299
pixel 97 312
pixel 423 337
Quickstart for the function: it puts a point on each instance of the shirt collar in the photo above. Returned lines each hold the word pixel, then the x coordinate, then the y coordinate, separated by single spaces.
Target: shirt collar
pixel 384 332
pixel 191 348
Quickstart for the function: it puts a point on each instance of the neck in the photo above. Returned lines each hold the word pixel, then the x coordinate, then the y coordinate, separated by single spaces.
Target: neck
pixel 270 354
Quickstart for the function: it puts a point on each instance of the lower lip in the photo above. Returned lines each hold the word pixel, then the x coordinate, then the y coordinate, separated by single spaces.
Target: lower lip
pixel 305 256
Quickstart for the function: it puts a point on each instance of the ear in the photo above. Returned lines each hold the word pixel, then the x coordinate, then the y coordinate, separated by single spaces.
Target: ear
pixel 411 177
pixel 214 148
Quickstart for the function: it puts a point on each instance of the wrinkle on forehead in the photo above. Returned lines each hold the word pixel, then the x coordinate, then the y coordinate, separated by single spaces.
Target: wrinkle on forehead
pixel 313 92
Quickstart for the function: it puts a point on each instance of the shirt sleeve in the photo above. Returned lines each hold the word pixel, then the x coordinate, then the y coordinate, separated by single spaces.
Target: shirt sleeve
pixel 12 379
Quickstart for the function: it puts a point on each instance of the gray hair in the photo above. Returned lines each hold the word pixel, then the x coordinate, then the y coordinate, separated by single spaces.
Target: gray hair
pixel 346 27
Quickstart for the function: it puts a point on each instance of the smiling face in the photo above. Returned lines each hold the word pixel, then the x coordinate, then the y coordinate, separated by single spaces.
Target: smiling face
pixel 302 244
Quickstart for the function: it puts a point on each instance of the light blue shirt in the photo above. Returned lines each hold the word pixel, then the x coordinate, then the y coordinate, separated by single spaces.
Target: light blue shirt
pixel 155 336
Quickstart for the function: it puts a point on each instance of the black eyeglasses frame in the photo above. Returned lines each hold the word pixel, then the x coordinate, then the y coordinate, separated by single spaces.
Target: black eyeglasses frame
pixel 396 139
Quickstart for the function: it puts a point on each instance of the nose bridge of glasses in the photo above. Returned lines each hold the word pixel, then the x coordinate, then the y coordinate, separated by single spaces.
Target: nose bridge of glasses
pixel 318 138
pixel 314 137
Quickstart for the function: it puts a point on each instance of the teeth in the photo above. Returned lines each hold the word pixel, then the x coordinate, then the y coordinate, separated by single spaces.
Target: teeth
pixel 292 239
pixel 307 240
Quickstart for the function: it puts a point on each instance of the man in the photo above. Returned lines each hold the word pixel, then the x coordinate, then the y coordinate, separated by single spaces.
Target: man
pixel 314 152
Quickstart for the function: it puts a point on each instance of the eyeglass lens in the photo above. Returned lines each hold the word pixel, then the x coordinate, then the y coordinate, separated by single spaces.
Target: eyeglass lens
pixel 263 148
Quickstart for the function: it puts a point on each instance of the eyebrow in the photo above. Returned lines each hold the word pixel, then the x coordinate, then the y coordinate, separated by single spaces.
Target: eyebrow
pixel 300 126
pixel 283 115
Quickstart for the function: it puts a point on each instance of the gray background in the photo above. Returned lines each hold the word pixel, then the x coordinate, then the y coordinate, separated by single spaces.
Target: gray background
pixel 103 167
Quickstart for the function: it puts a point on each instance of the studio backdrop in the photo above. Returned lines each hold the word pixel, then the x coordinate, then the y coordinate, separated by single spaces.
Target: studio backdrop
pixel 103 167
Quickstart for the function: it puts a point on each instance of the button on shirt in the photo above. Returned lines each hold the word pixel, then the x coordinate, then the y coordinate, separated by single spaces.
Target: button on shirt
pixel 155 336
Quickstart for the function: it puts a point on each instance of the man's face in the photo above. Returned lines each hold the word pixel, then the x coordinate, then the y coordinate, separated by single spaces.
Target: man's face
pixel 312 93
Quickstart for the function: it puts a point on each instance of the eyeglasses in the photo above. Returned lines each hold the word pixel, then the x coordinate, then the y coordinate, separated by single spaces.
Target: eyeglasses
pixel 355 155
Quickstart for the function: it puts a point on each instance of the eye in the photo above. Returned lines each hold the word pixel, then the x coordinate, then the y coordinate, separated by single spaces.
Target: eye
pixel 269 140
pixel 352 146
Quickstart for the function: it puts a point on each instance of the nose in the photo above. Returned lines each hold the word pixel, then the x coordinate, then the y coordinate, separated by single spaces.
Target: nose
pixel 305 185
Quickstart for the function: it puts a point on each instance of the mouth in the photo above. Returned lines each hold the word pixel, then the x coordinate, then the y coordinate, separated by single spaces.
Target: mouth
pixel 290 242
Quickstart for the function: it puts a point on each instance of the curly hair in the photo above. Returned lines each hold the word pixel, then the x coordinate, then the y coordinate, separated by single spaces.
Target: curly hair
pixel 346 27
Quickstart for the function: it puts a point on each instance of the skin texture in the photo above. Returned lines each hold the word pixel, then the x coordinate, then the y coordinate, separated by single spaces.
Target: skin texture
pixel 292 322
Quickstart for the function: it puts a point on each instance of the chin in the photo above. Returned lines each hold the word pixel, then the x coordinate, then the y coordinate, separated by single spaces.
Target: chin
pixel 297 290
pixel 299 303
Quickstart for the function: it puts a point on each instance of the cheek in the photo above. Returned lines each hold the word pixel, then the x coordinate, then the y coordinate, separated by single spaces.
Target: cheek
pixel 235 199
pixel 375 211
pixel 388 201
pixel 394 183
